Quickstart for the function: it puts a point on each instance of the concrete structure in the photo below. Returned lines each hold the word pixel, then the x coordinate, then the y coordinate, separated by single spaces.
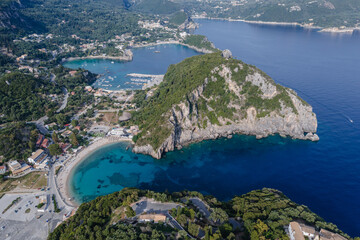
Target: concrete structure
pixel 152 218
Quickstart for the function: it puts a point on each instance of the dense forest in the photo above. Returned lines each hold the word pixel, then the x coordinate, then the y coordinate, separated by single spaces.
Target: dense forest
pixel 17 141
pixel 264 213
pixel 23 97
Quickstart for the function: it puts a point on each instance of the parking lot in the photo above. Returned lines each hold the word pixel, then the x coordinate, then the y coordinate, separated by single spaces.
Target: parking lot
pixel 20 211
pixel 18 222
pixel 99 129
pixel 150 206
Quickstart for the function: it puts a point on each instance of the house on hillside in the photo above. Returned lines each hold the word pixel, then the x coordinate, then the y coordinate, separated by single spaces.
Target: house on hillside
pixel 67 133
pixel 299 231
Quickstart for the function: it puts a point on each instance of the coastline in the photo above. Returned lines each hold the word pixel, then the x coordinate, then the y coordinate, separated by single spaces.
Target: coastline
pixel 63 178
pixel 347 30
pixel 130 55
pixel 127 58
pixel 200 50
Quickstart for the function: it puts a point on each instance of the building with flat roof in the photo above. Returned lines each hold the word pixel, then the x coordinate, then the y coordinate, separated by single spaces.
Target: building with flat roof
pixel 299 231
pixel 152 218
pixel 14 165
pixel 295 231
pixel 327 235
pixel 17 168
pixel 38 158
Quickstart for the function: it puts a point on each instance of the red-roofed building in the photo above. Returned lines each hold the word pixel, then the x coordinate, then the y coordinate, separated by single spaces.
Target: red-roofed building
pixel 39 140
pixel 45 143
pixel 65 146
pixel 72 73
pixel 2 169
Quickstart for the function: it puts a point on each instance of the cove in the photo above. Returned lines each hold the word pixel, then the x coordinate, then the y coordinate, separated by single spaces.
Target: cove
pixel 324 69
pixel 152 60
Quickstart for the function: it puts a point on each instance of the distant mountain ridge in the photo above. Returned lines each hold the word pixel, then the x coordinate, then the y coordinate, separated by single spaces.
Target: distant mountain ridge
pixel 322 13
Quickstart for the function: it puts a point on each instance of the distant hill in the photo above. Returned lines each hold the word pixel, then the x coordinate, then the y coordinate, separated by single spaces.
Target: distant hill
pixel 13 20
pixel 153 6
pixel 213 95
pixel 323 13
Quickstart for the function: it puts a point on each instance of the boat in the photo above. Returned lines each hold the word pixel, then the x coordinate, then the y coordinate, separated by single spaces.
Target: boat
pixel 156 51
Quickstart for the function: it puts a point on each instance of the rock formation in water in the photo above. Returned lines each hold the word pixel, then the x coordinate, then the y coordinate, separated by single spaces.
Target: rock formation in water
pixel 212 96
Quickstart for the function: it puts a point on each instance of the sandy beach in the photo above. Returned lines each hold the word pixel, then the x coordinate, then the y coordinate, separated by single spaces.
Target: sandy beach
pixel 62 180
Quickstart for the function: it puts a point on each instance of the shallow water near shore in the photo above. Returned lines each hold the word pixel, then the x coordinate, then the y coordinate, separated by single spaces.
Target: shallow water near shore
pixel 153 60
pixel 325 70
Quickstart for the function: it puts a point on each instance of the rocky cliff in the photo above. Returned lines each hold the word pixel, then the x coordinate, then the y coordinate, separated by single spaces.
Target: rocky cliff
pixel 232 98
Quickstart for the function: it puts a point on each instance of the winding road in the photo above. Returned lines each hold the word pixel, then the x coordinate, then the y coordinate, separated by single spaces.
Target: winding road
pixel 40 123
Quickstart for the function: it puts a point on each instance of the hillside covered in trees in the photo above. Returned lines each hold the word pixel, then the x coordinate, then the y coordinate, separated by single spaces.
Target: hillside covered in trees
pixel 262 213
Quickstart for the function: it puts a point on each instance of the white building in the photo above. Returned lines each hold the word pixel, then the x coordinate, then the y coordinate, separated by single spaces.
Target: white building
pixel 39 158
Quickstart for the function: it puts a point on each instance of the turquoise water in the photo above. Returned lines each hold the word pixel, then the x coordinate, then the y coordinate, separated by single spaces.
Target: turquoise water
pixel 325 70
pixel 148 60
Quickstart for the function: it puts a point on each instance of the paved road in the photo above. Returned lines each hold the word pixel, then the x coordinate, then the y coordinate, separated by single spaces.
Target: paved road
pixel 64 103
pixel 52 78
pixel 40 124
pixel 203 208
pixel 235 224
pixel 22 225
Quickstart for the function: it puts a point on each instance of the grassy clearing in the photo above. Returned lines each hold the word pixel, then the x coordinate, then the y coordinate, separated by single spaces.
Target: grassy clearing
pixel 33 180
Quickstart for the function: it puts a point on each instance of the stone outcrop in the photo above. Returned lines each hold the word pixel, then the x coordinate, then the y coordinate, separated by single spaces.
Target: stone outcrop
pixel 296 120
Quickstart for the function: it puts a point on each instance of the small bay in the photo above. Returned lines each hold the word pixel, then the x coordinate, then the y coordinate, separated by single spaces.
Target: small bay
pixel 153 60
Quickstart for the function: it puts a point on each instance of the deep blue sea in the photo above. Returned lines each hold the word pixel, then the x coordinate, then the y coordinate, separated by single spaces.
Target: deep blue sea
pixel 147 60
pixel 325 70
